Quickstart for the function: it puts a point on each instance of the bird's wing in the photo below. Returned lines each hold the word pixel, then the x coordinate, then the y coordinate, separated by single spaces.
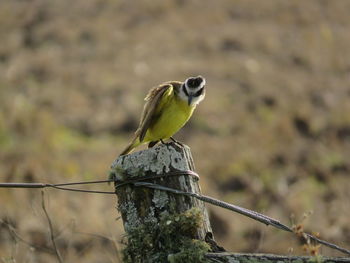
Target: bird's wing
pixel 152 101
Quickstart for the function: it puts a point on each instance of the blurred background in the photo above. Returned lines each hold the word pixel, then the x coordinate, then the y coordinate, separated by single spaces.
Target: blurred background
pixel 272 135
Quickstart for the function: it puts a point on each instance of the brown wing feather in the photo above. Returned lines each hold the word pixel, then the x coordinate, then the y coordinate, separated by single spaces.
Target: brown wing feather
pixel 152 101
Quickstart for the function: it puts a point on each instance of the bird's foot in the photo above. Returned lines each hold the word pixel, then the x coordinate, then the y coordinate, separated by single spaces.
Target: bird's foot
pixel 177 142
pixel 151 144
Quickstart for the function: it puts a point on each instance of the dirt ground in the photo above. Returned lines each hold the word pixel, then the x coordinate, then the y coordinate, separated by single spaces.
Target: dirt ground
pixel 275 121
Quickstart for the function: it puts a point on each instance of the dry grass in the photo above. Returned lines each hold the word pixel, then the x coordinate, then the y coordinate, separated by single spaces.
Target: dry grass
pixel 275 120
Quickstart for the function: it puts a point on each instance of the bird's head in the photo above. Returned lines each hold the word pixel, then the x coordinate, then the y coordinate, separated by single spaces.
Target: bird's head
pixel 193 90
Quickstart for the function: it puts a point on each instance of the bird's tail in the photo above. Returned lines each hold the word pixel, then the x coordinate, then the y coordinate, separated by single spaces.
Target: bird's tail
pixel 132 145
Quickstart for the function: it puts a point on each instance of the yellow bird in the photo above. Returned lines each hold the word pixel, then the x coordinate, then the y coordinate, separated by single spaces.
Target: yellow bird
pixel 168 107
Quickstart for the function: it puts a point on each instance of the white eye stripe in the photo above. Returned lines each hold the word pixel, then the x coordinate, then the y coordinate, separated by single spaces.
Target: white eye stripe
pixel 201 84
pixel 199 92
pixel 194 90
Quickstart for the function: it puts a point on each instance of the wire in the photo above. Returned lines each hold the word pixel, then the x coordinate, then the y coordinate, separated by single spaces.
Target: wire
pixel 140 182
pixel 59 186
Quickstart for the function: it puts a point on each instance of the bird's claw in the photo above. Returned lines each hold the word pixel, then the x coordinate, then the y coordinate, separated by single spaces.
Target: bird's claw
pixel 177 142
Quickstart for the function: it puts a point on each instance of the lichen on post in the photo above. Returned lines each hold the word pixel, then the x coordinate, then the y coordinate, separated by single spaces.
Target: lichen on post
pixel 159 224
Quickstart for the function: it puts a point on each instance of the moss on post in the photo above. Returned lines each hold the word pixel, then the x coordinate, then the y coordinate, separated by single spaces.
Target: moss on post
pixel 172 239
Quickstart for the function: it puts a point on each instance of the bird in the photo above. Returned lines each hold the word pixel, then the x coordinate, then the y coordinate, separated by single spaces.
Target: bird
pixel 167 109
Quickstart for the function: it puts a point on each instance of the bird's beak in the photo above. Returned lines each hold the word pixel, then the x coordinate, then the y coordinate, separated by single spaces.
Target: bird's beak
pixel 190 97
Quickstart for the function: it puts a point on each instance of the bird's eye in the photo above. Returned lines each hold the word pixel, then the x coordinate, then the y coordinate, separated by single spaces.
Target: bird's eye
pixel 199 92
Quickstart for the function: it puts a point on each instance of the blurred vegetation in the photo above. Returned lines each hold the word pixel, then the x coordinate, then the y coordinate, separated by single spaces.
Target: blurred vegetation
pixel 275 122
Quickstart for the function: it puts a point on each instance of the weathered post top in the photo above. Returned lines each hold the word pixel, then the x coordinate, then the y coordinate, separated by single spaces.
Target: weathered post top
pixel 167 224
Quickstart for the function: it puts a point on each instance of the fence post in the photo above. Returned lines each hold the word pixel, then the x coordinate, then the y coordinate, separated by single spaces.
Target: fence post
pixel 159 224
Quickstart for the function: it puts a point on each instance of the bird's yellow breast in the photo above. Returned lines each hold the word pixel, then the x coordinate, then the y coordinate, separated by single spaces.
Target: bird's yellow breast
pixel 171 114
